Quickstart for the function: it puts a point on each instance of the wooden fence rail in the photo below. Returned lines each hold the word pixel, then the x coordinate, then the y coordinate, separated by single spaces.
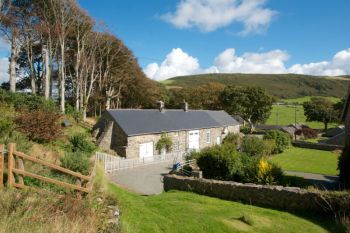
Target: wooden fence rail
pixel 15 160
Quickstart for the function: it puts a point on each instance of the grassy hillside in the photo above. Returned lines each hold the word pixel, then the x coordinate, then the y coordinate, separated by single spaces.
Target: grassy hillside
pixel 280 85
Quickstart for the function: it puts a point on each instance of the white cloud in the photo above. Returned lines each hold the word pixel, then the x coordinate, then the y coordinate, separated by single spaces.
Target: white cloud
pixel 339 65
pixel 4 67
pixel 209 15
pixel 178 63
pixel 270 62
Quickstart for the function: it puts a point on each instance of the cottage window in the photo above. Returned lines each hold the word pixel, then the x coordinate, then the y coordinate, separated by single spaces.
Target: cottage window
pixel 176 146
pixel 208 136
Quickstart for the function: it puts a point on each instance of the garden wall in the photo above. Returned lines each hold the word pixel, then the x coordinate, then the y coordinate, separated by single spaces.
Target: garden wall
pixel 317 146
pixel 279 197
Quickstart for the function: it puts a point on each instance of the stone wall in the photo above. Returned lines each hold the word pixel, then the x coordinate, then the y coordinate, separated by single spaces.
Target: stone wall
pixel 317 146
pixel 278 197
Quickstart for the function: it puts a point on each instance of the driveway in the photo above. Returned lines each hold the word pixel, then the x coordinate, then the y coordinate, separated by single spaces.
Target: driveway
pixel 146 180
pixel 321 181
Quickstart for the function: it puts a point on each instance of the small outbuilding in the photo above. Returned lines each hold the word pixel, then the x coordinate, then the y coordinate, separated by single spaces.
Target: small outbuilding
pixel 134 133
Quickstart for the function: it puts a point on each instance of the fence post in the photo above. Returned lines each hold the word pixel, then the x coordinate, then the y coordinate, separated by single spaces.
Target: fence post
pixel 78 183
pixel 2 165
pixel 20 167
pixel 10 177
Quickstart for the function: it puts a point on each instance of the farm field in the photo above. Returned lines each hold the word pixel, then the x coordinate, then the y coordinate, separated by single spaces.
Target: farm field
pixel 177 211
pixel 301 100
pixel 308 160
pixel 285 115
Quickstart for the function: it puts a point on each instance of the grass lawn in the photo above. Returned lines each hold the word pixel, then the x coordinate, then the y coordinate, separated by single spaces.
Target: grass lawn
pixel 177 211
pixel 301 100
pixel 285 115
pixel 308 160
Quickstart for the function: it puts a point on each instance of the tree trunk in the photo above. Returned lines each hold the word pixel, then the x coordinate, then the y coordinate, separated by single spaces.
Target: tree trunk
pixel 325 126
pixel 13 64
pixel 47 75
pixel 63 79
pixel 108 102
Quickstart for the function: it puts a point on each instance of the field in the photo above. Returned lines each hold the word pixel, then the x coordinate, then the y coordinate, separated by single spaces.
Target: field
pixel 285 115
pixel 301 100
pixel 177 211
pixel 307 160
pixel 279 85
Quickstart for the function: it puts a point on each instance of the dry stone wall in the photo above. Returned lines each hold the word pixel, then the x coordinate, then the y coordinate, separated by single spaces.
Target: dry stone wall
pixel 279 197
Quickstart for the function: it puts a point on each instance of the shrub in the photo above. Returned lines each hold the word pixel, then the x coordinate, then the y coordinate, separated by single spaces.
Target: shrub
pixel 262 171
pixel 233 139
pixel 164 143
pixel 28 101
pixel 221 162
pixel 71 111
pixel 307 133
pixel 270 146
pixel 76 161
pixel 282 140
pixel 40 125
pixel 245 130
pixel 253 146
pixel 81 143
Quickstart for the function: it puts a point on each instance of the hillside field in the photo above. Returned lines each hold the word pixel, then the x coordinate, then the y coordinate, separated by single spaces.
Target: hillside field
pixel 279 85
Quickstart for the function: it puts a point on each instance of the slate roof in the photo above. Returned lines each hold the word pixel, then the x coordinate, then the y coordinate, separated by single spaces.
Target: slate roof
pixel 148 121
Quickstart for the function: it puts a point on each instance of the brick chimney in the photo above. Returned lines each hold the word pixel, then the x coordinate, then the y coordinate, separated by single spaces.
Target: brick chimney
pixel 184 106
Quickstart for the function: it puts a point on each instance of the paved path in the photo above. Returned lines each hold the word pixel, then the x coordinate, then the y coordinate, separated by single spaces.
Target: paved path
pixel 145 180
pixel 326 181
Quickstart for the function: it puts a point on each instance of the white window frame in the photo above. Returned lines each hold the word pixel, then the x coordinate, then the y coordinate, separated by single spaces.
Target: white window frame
pixel 208 136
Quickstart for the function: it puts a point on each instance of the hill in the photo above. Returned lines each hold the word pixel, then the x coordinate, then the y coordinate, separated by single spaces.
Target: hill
pixel 280 85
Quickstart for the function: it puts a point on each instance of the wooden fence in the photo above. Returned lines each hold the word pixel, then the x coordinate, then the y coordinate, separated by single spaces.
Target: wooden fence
pixel 16 171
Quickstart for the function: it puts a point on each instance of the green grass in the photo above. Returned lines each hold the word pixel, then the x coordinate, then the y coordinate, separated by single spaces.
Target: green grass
pixel 304 99
pixel 176 212
pixel 285 115
pixel 307 160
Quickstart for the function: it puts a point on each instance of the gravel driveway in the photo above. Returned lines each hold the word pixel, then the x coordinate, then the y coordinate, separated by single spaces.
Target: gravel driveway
pixel 145 180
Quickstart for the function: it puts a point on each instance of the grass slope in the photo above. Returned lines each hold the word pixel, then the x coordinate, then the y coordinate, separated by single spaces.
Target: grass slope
pixel 285 115
pixel 304 99
pixel 307 160
pixel 280 85
pixel 177 212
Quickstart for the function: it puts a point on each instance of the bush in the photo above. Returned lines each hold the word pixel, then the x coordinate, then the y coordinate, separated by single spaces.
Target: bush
pixel 233 139
pixel 307 133
pixel 164 143
pixel 71 111
pixel 253 146
pixel 6 120
pixel 281 139
pixel 245 130
pixel 221 162
pixel 262 171
pixel 76 161
pixel 81 143
pixel 28 101
pixel 40 125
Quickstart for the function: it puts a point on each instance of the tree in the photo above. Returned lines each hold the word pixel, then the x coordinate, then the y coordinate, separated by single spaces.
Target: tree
pixel 322 110
pixel 253 104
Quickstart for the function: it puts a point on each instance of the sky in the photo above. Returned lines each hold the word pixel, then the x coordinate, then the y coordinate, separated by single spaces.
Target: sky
pixel 182 37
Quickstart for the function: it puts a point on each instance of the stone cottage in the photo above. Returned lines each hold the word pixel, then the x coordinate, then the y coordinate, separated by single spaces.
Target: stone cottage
pixel 134 133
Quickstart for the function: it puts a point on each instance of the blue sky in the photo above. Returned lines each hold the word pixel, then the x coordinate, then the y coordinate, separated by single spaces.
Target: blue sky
pixel 180 37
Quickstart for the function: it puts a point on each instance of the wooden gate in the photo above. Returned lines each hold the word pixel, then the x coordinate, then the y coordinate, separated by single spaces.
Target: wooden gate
pixel 16 171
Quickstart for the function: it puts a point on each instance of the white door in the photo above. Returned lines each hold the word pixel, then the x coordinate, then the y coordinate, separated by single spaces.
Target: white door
pixel 193 140
pixel 218 140
pixel 146 150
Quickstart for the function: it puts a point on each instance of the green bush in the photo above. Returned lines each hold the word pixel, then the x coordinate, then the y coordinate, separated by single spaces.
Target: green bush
pixel 262 171
pixel 28 101
pixel 221 162
pixel 80 143
pixel 6 120
pixel 282 140
pixel 164 143
pixel 232 138
pixel 76 161
pixel 245 130
pixel 71 111
pixel 253 146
